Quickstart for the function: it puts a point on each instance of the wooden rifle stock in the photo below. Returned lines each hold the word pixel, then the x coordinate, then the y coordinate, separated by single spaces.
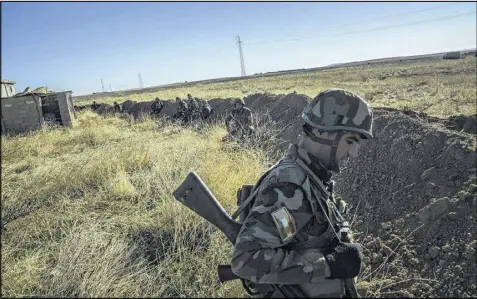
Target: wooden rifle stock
pixel 195 195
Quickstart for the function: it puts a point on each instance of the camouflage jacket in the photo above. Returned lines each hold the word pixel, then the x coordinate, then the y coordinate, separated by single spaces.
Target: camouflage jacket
pixel 289 212
pixel 206 109
pixel 182 108
pixel 193 105
pixel 156 107
pixel 117 108
pixel 242 117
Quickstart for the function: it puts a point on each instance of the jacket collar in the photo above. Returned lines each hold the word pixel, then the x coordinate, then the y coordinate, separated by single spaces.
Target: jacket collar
pixel 318 167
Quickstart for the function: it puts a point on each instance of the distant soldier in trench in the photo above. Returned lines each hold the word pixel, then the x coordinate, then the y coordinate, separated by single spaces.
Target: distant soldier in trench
pixel 239 121
pixel 94 105
pixel 156 106
pixel 205 110
pixel 182 112
pixel 194 112
pixel 117 108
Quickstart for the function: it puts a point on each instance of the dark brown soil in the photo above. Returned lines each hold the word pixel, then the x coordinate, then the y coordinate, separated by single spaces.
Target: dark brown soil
pixel 413 194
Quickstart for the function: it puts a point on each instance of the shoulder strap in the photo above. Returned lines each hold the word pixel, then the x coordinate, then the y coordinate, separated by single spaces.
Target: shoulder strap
pixel 313 176
pixel 244 204
pixel 253 194
pixel 256 188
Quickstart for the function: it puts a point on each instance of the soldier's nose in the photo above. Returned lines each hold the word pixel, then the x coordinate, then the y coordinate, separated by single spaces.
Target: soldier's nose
pixel 353 152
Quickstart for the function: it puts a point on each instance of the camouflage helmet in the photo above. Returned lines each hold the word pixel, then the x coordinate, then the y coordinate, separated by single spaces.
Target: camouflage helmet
pixel 339 110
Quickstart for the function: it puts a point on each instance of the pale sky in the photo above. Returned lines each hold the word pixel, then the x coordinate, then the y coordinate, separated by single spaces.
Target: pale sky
pixel 72 46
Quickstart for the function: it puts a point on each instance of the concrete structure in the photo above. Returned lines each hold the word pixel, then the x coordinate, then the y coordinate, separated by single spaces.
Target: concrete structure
pixel 30 111
pixel 8 89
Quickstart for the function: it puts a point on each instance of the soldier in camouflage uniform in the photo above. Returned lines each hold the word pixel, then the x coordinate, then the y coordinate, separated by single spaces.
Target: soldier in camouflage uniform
pixel 194 112
pixel 294 233
pixel 239 121
pixel 94 105
pixel 156 106
pixel 205 110
pixel 182 112
pixel 117 108
pixel 190 98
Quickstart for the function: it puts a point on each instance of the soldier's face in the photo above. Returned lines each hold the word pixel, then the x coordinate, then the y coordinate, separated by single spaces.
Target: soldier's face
pixel 348 147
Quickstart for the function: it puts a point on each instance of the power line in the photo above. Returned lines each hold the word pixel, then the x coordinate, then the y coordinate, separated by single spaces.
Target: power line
pixel 365 30
pixel 374 19
pixel 388 16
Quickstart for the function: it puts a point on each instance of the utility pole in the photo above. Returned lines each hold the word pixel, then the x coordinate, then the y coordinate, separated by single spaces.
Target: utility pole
pixel 102 85
pixel 140 81
pixel 242 62
pixel 110 89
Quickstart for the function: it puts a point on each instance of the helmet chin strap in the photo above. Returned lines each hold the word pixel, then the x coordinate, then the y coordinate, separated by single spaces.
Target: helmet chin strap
pixel 332 164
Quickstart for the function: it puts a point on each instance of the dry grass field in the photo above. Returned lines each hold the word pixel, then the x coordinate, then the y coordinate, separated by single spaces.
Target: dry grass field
pixel 438 87
pixel 87 211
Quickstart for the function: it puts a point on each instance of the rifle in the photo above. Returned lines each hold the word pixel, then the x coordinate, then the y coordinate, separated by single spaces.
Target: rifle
pixel 194 194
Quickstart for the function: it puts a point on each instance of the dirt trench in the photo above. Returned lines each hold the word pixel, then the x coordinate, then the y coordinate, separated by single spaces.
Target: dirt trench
pixel 283 109
pixel 412 190
pixel 412 193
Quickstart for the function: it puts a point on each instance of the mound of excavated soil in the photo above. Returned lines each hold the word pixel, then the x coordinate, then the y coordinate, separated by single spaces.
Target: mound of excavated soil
pixel 126 105
pixel 220 107
pixel 104 108
pixel 139 108
pixel 284 110
pixel 281 107
pixel 413 189
pixel 460 123
pixel 467 124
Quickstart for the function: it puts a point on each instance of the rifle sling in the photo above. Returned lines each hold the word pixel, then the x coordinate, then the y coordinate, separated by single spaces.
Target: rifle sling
pixel 290 291
pixel 244 204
